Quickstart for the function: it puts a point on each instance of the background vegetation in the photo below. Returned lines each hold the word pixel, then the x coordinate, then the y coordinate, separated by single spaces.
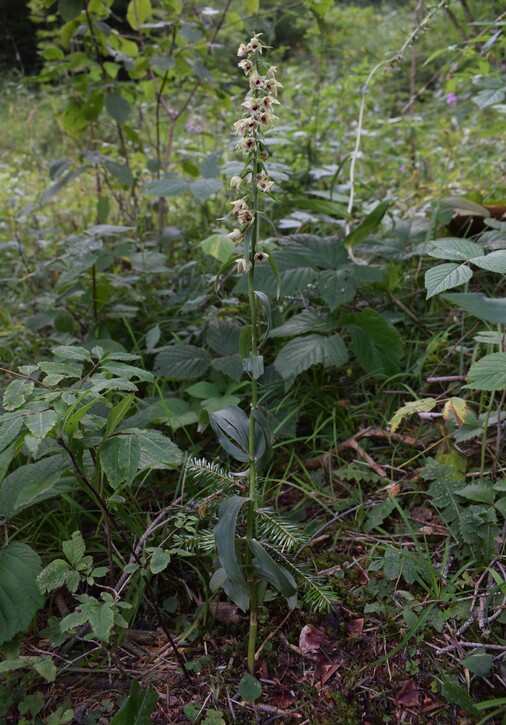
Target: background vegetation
pixel 301 435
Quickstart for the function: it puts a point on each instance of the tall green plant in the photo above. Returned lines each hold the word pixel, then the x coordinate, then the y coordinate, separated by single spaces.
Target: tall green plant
pixel 247 565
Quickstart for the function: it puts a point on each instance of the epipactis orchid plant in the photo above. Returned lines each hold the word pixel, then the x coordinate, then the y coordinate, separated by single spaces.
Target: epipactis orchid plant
pixel 253 178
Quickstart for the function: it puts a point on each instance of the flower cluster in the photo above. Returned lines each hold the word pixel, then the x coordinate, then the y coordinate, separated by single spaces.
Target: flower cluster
pixel 258 115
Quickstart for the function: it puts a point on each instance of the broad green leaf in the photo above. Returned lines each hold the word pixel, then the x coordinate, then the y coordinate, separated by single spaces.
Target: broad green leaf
pixel 489 309
pixel 232 427
pixel 118 413
pixel 445 276
pixel 117 107
pixel 301 353
pixel 252 7
pixel 170 185
pixel 218 246
pixel 337 287
pixel 74 548
pixel 121 172
pixel 53 576
pixel 46 668
pixel 19 595
pixel 376 343
pixel 138 11
pixel 305 321
pixel 202 189
pixel 415 406
pixel 249 688
pixel 123 370
pixel 479 663
pixel 181 362
pixel 9 431
pixel 489 373
pixel 16 393
pixel 101 619
pixel 456 695
pixel 479 492
pixel 70 9
pixel 33 477
pixel 41 422
pixel 160 559
pixel 223 337
pixel 368 226
pixel 273 573
pixel 137 710
pixel 225 537
pixel 489 97
pixel 120 457
pixel 157 451
pixel 72 352
pixel 456 250
pixel 493 262
pixel 75 418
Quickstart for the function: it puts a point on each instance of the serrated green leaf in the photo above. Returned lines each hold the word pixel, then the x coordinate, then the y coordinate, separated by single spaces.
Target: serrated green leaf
pixel 72 352
pixel 120 457
pixel 53 576
pixel 33 482
pixel 202 189
pixel 158 452
pixel 445 276
pixel 480 492
pixel 41 422
pixel 160 559
pixel 457 250
pixel 305 321
pixel 337 287
pixel 170 185
pixel 46 668
pixel 123 370
pixel 19 595
pixel 10 430
pixel 376 343
pixel 489 373
pixel 301 353
pixel 16 393
pixel 493 262
pixel 182 362
pixel 74 548
pixel 101 619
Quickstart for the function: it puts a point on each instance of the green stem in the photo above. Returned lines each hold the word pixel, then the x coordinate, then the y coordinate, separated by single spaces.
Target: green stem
pixel 250 524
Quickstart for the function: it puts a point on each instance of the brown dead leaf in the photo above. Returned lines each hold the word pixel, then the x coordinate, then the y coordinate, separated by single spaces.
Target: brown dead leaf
pixel 408 693
pixel 325 668
pixel 311 639
pixel 363 576
pixel 225 613
pixel 355 627
pixel 283 697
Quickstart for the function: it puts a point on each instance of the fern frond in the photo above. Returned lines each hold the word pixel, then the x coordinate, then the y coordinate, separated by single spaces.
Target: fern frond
pixel 210 477
pixel 317 593
pixel 199 541
pixel 278 531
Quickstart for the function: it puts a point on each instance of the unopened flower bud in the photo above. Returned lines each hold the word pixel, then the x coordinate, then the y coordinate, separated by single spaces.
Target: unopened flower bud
pixel 235 182
pixel 235 236
pixel 243 265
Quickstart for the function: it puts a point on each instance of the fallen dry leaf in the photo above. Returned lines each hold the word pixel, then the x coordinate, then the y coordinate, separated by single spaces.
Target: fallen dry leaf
pixel 408 694
pixel 325 668
pixel 311 639
pixel 355 627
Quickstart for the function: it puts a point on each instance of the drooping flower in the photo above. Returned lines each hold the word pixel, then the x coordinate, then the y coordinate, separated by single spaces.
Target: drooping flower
pixel 242 50
pixel 235 235
pixel 235 182
pixel 245 65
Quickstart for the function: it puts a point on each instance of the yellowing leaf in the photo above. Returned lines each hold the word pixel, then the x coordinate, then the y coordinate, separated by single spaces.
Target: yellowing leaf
pixel 456 409
pixel 415 406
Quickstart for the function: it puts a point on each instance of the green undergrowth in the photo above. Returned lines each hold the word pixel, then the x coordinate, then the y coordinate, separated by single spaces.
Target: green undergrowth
pixel 254 389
